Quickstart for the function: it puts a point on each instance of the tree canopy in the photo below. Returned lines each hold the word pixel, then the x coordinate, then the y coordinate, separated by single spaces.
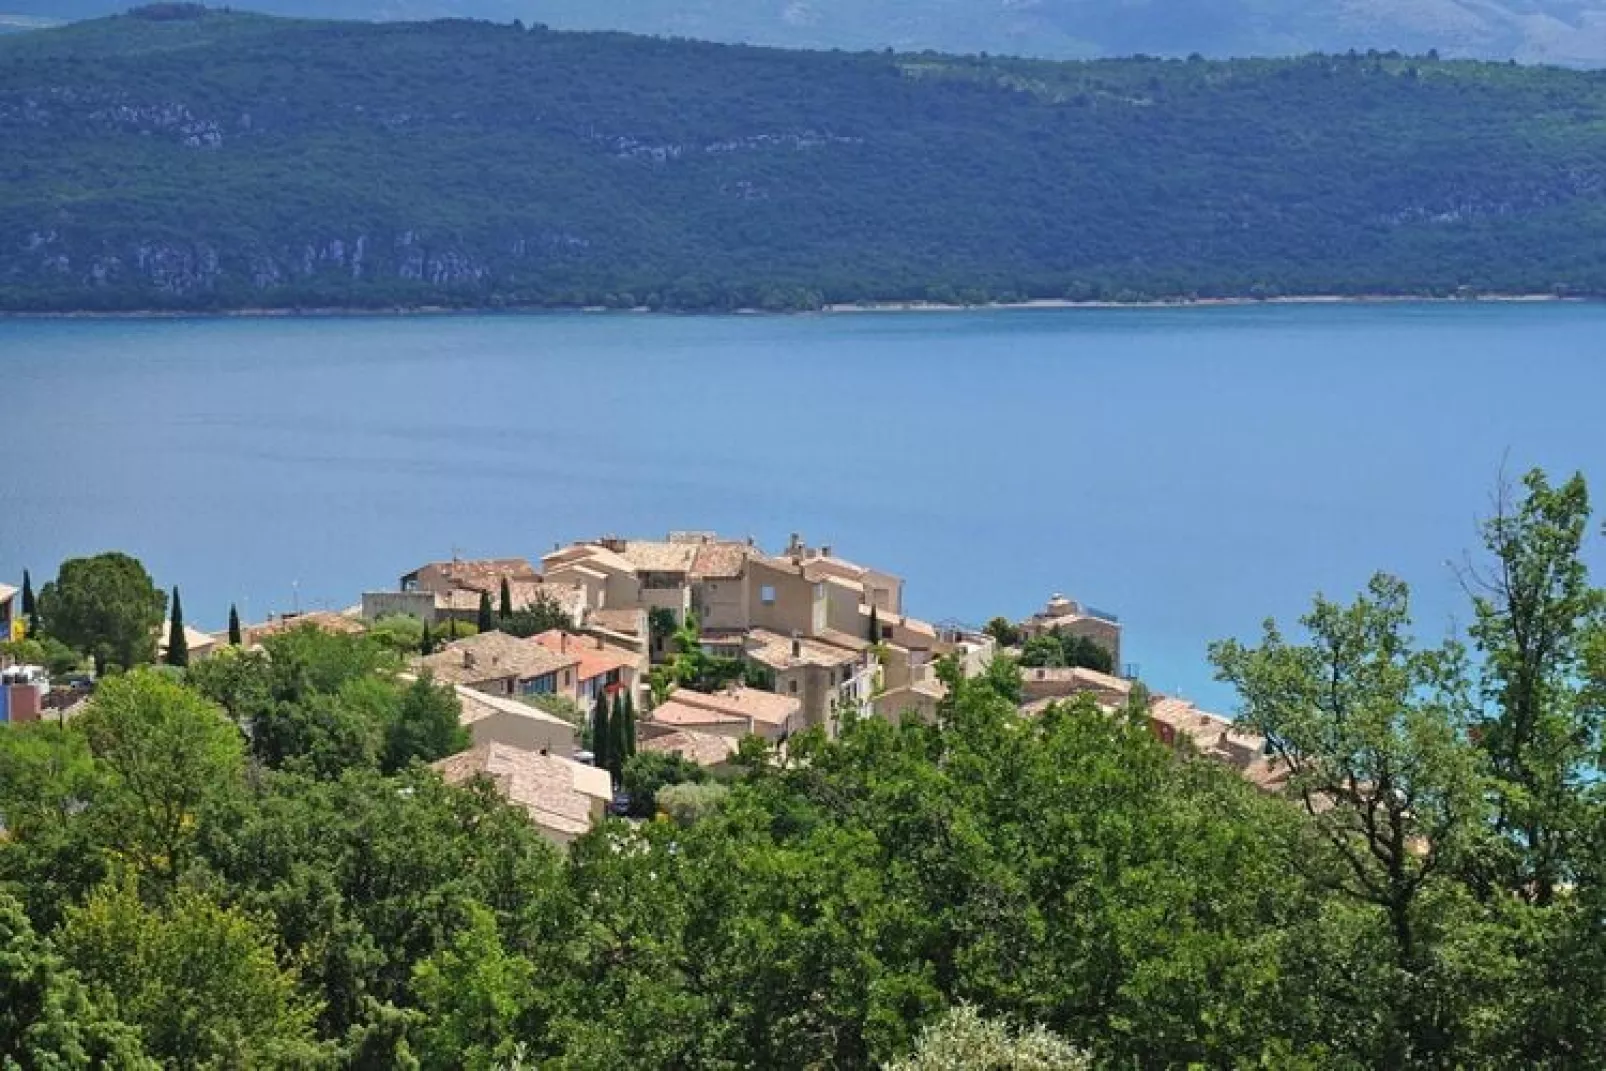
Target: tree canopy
pixel 243 865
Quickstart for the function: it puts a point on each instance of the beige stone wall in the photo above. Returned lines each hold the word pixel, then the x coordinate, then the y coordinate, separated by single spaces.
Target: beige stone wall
pixel 722 604
pixel 528 734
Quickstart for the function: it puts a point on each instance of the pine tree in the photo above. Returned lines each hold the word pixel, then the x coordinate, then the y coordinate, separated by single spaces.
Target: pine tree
pixel 600 733
pixel 630 725
pixel 618 738
pixel 426 646
pixel 178 647
pixel 507 600
pixel 485 622
pixel 875 625
pixel 236 635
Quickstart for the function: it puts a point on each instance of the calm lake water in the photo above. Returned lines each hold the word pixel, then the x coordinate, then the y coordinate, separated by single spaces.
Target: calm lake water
pixel 1192 470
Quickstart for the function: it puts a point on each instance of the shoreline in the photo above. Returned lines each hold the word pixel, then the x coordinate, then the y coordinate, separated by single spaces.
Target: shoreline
pixel 334 312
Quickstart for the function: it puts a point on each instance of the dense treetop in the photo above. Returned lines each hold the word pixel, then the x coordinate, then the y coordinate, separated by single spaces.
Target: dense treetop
pixel 240 160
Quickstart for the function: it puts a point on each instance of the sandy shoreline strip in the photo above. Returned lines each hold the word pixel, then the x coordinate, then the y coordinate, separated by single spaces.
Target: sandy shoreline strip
pixel 856 307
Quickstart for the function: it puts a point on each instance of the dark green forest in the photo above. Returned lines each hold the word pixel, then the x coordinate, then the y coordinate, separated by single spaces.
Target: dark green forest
pixel 185 160
pixel 245 863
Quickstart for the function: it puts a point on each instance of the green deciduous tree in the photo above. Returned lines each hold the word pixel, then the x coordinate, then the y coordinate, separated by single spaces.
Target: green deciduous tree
pixel 401 633
pixel 199 980
pixel 649 772
pixel 1372 731
pixel 171 754
pixel 47 1019
pixel 105 607
pixel 962 1040
pixel 1004 631
pixel 1540 628
pixel 475 994
pixel 542 615
pixel 425 726
pixel 178 644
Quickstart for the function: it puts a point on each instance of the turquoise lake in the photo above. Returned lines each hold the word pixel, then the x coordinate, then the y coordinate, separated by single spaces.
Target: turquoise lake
pixel 1192 470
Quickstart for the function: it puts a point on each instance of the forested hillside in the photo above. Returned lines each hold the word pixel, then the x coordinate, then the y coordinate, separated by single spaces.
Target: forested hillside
pixel 234 160
pixel 1550 31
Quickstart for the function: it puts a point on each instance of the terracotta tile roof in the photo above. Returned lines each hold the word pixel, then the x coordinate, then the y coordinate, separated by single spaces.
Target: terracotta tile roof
pixel 902 621
pixel 721 561
pixel 819 568
pixel 559 794
pixel 744 703
pixel 1080 680
pixel 589 555
pixel 7 592
pixel 194 639
pixel 477 706
pixel 837 638
pixel 775 650
pixel 705 749
pixel 493 656
pixel 672 712
pixel 326 620
pixel 595 660
pixel 624 622
pixel 651 556
pixel 482 575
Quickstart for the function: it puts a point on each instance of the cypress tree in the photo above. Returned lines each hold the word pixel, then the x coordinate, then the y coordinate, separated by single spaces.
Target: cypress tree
pixel 236 635
pixel 30 609
pixel 507 600
pixel 426 646
pixel 178 648
pixel 630 724
pixel 618 738
pixel 875 625
pixel 485 622
pixel 600 732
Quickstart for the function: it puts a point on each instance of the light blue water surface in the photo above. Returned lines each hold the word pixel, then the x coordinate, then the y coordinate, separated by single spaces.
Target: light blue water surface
pixel 1192 470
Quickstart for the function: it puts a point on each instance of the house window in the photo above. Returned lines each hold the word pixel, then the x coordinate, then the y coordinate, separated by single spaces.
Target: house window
pixel 566 678
pixel 791 686
pixel 766 594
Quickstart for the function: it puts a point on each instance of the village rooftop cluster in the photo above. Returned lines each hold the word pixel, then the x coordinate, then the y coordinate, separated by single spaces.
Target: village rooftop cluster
pixel 818 639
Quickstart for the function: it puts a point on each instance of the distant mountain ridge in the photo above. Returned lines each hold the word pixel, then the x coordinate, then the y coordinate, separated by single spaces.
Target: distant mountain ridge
pixel 216 161
pixel 1571 32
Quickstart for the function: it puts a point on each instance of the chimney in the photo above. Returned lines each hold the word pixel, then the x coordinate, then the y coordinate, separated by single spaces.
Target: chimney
pixel 468 659
pixel 600 644
pixel 563 642
pixel 797 646
pixel 825 551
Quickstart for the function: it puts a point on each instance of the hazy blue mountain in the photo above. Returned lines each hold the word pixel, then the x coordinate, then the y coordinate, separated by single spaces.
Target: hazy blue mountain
pixel 1554 31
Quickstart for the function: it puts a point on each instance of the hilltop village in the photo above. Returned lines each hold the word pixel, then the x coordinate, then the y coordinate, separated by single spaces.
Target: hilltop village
pixel 711 640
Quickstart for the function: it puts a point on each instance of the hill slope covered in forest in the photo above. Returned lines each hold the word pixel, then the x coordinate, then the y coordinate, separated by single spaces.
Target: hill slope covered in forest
pixel 1549 31
pixel 239 160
